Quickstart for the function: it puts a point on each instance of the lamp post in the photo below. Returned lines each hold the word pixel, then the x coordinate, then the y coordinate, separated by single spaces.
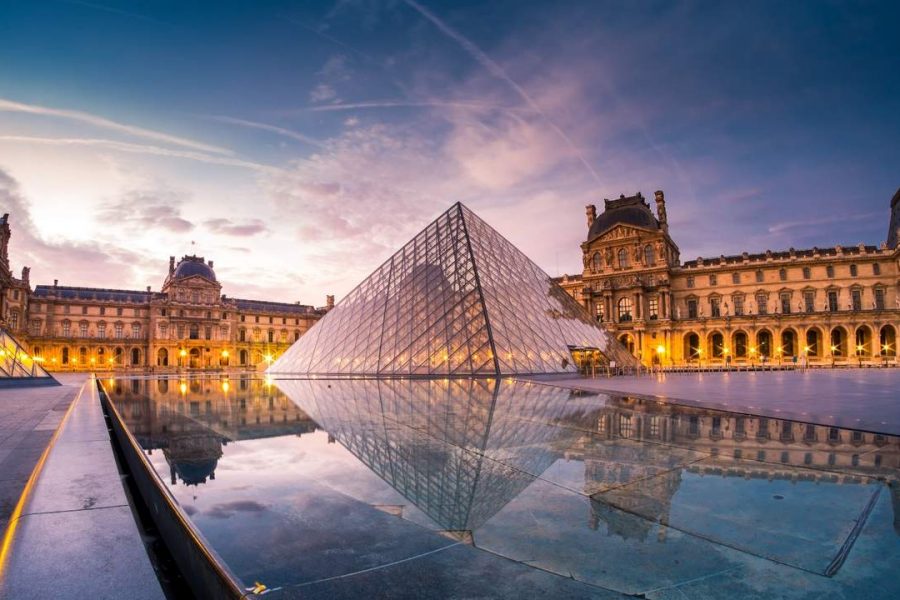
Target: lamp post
pixel 181 354
pixel 660 351
pixel 859 350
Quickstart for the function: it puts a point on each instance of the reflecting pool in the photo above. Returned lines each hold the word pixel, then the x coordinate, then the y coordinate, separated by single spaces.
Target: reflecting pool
pixel 501 488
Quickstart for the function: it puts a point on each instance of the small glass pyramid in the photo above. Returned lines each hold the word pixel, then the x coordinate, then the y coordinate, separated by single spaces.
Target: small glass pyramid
pixel 17 367
pixel 457 300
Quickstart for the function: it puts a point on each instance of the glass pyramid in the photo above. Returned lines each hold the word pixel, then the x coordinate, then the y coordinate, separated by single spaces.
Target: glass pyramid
pixel 17 367
pixel 457 300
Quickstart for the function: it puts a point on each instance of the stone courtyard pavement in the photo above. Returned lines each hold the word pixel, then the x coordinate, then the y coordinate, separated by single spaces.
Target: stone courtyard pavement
pixel 28 418
pixel 867 399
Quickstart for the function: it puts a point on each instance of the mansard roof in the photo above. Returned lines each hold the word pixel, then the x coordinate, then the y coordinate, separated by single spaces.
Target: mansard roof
pixel 87 293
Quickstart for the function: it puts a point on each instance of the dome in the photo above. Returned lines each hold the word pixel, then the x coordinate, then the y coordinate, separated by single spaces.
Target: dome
pixel 628 211
pixel 194 265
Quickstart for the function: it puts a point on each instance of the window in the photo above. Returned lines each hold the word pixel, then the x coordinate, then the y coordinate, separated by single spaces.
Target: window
pixel 625 307
pixel 83 329
pixel 692 309
pixel 102 310
pixel 879 299
pixel 101 330
pixel 66 329
pixel 623 258
pixel 876 269
pixel 829 271
pixel 735 278
pixel 784 457
pixel 690 281
pixel 15 294
pixel 163 330
pixel 207 333
pixel 809 301
pixel 625 426
pixel 782 274
pixel 762 304
pixel 598 307
pixel 856 296
pixel 296 335
pixel 65 356
pixel 649 255
pixel 195 297
pixel 14 320
pixel 832 300
pixel 807 273
pixel 84 310
pixel 785 304
pixel 853 271
pixel 654 307
pixel 194 332
pixel 67 309
pixel 713 280
pixel 714 309
pixel 271 336
pixel 256 318
pixel 596 263
pixel 242 318
pixel 807 458
pixel 834 435
pixel 162 312
pixel 740 345
pixel 35 327
pixel 119 331
pixel 759 277
pixel 738 301
pixel 135 330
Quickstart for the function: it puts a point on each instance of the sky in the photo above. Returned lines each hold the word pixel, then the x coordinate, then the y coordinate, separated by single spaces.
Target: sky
pixel 298 144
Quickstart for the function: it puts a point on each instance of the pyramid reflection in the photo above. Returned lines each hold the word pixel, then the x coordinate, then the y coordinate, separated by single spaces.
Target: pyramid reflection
pixel 459 449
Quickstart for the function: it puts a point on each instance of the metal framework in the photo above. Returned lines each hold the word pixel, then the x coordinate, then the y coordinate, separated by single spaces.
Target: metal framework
pixel 17 365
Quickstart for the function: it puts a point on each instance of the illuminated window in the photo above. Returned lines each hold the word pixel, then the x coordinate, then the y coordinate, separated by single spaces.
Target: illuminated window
pixel 625 307
pixel 654 307
pixel 66 329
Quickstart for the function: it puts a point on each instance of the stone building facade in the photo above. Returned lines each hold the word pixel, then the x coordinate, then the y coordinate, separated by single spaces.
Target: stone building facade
pixel 822 305
pixel 188 324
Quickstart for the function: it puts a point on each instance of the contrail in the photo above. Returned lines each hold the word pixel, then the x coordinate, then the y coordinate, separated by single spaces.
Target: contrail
pixel 497 71
pixel 89 119
pixel 143 149
pixel 407 104
pixel 274 129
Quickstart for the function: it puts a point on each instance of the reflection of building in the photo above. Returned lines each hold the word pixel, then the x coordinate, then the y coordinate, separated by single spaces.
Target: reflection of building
pixel 457 300
pixel 189 323
pixel 638 450
pixel 840 303
pixel 458 449
pixel 190 420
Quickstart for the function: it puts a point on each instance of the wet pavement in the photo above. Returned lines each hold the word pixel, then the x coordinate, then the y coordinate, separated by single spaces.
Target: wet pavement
pixel 28 418
pixel 484 488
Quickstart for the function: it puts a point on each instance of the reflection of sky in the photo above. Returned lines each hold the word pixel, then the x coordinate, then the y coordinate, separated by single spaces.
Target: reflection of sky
pixel 331 132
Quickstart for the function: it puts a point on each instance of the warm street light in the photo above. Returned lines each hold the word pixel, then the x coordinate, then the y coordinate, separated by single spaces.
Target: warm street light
pixel 183 352
pixel 660 350
pixel 224 353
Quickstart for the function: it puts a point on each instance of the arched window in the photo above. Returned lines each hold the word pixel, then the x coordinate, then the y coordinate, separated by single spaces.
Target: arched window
pixel 718 345
pixel 838 342
pixel 243 357
pixel 135 357
pixel 162 358
pixel 242 335
pixel 596 263
pixel 788 343
pixel 119 354
pixel 625 306
pixel 623 258
pixel 887 339
pixel 764 342
pixel 649 255
pixel 812 342
pixel 691 346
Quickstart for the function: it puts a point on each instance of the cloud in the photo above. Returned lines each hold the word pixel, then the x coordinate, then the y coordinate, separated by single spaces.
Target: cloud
pixel 229 227
pixel 102 123
pixel 141 211
pixel 322 92
pixel 94 263
pixel 783 226
pixel 227 510
pixel 272 128
pixel 140 149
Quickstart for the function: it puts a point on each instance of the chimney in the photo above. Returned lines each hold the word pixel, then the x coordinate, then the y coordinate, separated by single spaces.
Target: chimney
pixel 55 282
pixel 148 289
pixel 329 302
pixel 661 211
pixel 171 265
pixel 591 212
pixel 210 264
pixel 26 273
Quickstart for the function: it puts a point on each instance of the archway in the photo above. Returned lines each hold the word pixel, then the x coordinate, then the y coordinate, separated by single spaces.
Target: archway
pixel 717 344
pixel 162 358
pixel 813 346
pixel 788 343
pixel 764 343
pixel 887 340
pixel 119 354
pixel 838 342
pixel 691 346
pixel 863 341
pixel 194 358
pixel 243 356
pixel 135 357
pixel 65 356
pixel 740 344
pixel 628 341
